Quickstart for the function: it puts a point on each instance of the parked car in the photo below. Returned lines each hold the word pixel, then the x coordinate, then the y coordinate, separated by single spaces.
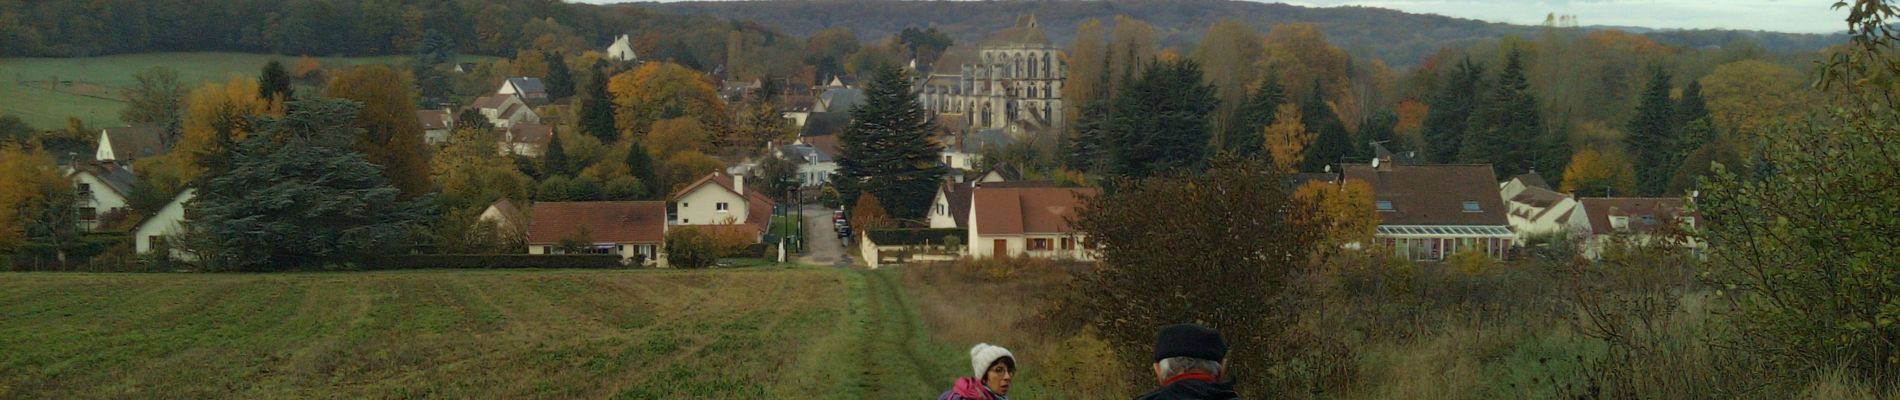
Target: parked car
pixel 844 231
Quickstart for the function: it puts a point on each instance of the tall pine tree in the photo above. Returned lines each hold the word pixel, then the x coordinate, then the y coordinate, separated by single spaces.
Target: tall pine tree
pixel 1331 143
pixel 887 149
pixel 560 80
pixel 597 108
pixel 1255 118
pixel 1651 138
pixel 1506 130
pixel 1162 120
pixel 1450 113
pixel 554 159
pixel 1086 150
pixel 641 164
pixel 1691 107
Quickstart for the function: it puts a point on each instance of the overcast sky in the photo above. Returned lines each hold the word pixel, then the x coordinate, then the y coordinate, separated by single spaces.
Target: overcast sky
pixel 1803 16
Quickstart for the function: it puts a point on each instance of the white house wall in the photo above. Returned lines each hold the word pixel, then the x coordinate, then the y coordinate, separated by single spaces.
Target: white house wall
pixel 699 207
pixel 168 222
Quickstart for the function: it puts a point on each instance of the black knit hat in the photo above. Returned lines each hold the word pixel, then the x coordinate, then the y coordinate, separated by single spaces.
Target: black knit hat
pixel 1190 340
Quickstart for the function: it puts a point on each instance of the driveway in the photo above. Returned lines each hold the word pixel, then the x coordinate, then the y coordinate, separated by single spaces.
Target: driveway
pixel 821 241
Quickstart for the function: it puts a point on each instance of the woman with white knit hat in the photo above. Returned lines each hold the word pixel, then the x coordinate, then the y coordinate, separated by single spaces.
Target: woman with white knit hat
pixel 994 368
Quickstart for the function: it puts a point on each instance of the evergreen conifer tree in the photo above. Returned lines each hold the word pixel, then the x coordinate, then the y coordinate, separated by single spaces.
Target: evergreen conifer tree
pixel 1255 118
pixel 560 81
pixel 1085 150
pixel 273 82
pixel 597 109
pixel 1450 113
pixel 887 149
pixel 1691 107
pixel 1506 130
pixel 1331 142
pixel 1651 136
pixel 554 159
pixel 298 196
pixel 641 165
pixel 1162 120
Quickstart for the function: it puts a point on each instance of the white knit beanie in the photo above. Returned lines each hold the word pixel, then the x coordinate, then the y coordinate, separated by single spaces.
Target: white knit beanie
pixel 983 354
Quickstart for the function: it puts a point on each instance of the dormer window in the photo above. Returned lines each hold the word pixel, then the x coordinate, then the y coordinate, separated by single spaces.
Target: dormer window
pixel 1472 206
pixel 1383 205
pixel 1649 220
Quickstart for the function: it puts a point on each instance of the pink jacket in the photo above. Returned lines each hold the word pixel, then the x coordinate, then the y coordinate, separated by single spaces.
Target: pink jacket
pixel 967 388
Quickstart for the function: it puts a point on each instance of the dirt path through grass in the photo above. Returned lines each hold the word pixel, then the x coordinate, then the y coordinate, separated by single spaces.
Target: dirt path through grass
pixel 901 361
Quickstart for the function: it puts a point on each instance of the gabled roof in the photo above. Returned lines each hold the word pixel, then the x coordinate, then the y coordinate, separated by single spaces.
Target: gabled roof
pixel 606 221
pixel 721 180
pixel 841 100
pixel 117 178
pixel 132 142
pixel 493 101
pixel 1007 171
pixel 508 211
pixel 536 134
pixel 1019 210
pixel 758 206
pixel 527 85
pixel 433 119
pixel 826 145
pixel 1532 179
pixel 822 123
pixel 1646 214
pixel 1433 194
pixel 958 195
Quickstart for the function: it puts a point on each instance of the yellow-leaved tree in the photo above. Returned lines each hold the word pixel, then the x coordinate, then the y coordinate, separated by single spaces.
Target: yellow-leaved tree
pixel 1299 56
pixel 391 137
pixel 657 91
pixel 1341 213
pixel 1287 139
pixel 217 117
pixel 1750 97
pixel 27 177
pixel 1600 172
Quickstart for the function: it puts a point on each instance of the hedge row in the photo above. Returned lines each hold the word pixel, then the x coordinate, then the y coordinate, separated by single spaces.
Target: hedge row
pixel 909 237
pixel 494 261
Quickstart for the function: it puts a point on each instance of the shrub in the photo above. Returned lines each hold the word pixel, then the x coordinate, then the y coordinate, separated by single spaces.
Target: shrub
pixel 492 261
pixel 688 247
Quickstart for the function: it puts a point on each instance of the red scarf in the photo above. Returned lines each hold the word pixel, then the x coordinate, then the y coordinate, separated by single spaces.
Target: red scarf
pixel 1191 376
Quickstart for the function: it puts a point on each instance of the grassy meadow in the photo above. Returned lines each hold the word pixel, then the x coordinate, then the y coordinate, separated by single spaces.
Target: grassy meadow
pixel 100 78
pixel 775 332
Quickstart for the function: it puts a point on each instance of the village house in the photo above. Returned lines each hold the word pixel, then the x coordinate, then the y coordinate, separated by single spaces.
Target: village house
pixel 1027 222
pixel 1639 219
pixel 1429 212
pixel 164 227
pixel 633 230
pixel 951 206
pixel 504 111
pixel 128 143
pixel 622 50
pixel 815 166
pixel 721 201
pixel 102 187
pixel 1533 208
pixel 1014 78
pixel 436 125
pixel 530 90
pixel 527 140
pixel 506 216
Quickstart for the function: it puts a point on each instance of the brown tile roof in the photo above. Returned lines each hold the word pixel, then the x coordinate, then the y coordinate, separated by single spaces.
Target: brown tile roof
pixel 536 134
pixel 827 144
pixel 825 123
pixel 1020 210
pixel 958 194
pixel 1433 194
pixel 1646 214
pixel 1532 179
pixel 433 119
pixel 606 221
pixel 133 142
pixel 490 101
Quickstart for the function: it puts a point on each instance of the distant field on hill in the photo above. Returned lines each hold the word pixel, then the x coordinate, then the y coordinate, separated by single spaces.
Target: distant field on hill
pixel 750 333
pixel 44 108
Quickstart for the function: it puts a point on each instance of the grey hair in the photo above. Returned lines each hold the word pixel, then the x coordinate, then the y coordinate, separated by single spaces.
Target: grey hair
pixel 1180 365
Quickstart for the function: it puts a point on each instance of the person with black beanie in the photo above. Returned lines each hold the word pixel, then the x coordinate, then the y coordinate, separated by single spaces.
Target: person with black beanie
pixel 1190 361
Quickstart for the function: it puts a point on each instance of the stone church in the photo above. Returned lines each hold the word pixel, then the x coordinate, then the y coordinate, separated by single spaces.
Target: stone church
pixel 1011 81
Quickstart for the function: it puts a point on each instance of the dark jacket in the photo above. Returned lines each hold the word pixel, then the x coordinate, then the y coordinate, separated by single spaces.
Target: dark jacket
pixel 1192 389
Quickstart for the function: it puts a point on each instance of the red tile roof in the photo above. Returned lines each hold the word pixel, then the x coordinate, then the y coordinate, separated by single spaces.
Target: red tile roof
pixel 1433 194
pixel 535 134
pixel 606 221
pixel 1021 210
pixel 1659 210
pixel 433 119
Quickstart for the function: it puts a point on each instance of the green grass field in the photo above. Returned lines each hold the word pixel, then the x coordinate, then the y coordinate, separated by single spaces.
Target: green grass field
pixel 45 109
pixel 770 332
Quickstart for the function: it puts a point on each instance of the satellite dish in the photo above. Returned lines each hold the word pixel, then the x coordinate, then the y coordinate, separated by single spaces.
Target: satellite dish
pixel 1375 162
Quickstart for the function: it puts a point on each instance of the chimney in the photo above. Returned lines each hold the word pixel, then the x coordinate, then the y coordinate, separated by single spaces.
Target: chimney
pixel 738 181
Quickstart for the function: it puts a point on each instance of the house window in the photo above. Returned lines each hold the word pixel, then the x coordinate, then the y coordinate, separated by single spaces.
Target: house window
pixel 1649 220
pixel 1068 243
pixel 684 205
pixel 88 213
pixel 85 189
pixel 720 206
pixel 687 221
pixel 1039 244
pixel 1472 206
pixel 1383 205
